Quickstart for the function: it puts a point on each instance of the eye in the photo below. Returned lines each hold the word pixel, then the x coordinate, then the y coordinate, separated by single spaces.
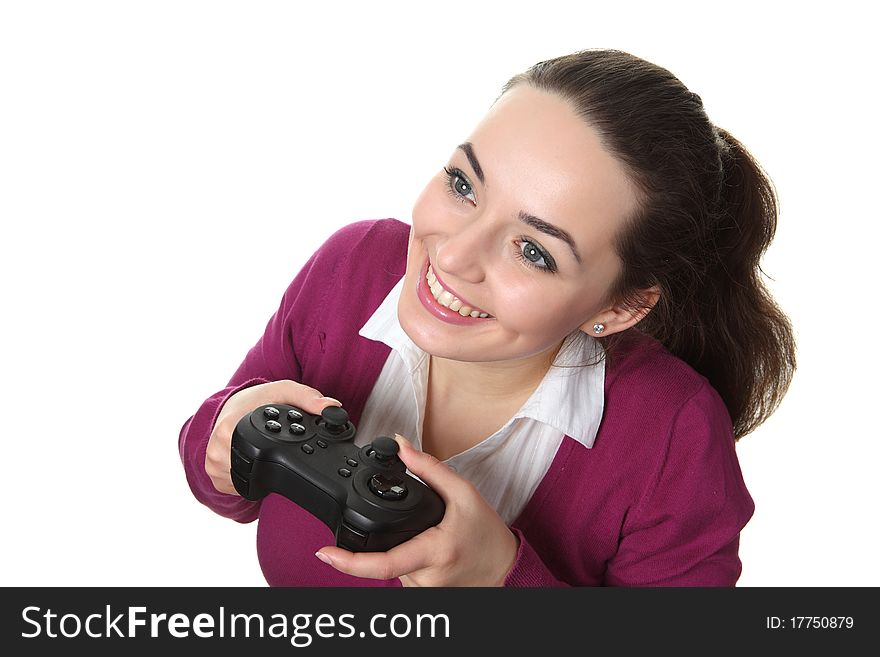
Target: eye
pixel 533 255
pixel 458 186
pixel 529 252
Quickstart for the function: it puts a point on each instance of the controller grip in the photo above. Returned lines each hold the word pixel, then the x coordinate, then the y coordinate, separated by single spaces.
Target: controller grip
pixel 254 478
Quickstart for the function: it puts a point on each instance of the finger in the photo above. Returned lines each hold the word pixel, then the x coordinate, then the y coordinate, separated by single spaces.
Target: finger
pixel 305 397
pixel 217 456
pixel 403 559
pixel 221 480
pixel 428 468
pixel 225 486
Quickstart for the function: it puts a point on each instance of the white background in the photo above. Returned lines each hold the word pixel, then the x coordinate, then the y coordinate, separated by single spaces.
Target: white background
pixel 167 167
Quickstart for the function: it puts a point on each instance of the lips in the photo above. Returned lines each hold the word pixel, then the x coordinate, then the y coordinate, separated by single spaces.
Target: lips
pixel 449 298
pixel 436 309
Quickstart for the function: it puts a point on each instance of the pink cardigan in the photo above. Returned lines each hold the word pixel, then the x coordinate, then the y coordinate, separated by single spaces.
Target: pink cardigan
pixel 659 500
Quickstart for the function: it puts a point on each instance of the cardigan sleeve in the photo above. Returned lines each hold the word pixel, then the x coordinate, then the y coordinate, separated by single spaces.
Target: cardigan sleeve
pixel 272 358
pixel 685 530
pixel 528 569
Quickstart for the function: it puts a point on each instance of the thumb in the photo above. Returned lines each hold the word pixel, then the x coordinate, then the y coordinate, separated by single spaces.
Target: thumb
pixel 302 396
pixel 427 467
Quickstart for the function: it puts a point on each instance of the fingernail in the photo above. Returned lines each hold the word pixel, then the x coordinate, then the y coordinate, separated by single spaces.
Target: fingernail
pixel 323 557
pixel 333 400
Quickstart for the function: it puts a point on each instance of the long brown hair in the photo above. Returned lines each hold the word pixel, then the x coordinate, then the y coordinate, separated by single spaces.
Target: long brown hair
pixel 706 214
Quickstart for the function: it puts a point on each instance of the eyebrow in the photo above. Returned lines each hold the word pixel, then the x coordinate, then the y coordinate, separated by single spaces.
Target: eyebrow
pixel 529 219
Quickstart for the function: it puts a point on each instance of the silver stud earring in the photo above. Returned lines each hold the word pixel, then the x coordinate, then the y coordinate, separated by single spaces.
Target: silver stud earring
pixel 598 328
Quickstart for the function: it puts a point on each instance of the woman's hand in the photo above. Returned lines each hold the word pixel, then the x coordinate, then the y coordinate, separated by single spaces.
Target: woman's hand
pixel 472 545
pixel 217 454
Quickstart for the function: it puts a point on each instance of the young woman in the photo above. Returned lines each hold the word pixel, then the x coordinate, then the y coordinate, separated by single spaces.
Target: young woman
pixel 569 339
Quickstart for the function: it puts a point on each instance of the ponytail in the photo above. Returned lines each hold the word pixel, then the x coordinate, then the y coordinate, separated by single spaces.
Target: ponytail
pixel 747 345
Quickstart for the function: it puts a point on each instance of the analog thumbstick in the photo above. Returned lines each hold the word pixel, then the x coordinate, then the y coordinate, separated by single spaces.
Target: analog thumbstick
pixel 335 419
pixel 385 448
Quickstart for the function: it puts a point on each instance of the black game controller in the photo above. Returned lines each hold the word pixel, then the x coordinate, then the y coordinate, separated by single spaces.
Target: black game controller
pixel 363 494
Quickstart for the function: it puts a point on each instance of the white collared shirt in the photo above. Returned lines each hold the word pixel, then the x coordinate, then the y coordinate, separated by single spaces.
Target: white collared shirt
pixel 507 466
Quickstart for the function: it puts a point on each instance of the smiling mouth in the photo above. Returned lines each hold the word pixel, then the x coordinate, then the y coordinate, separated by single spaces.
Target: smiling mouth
pixel 448 300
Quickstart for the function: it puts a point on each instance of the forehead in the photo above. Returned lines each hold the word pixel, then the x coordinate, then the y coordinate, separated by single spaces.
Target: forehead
pixel 539 156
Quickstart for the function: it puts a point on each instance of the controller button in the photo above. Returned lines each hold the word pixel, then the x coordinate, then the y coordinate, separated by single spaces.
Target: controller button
pixel 388 486
pixel 240 462
pixel 241 484
pixel 350 539
pixel 308 449
pixel 294 415
pixel 273 426
pixel 322 444
pixel 271 413
pixel 351 462
pixel 345 472
pixel 297 429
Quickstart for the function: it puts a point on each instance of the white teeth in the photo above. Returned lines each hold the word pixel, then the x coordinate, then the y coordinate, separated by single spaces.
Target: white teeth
pixel 449 300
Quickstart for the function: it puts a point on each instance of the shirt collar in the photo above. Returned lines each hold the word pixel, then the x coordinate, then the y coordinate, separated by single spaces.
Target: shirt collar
pixel 570 399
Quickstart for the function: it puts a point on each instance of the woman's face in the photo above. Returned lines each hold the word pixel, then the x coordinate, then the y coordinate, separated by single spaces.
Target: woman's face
pixel 517 226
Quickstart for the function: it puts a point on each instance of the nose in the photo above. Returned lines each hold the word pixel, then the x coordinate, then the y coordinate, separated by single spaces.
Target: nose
pixel 465 253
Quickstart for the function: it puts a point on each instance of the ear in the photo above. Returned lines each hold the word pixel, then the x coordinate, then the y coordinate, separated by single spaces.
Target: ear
pixel 618 318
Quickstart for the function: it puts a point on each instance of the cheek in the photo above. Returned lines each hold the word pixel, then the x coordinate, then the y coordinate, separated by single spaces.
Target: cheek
pixel 528 307
pixel 541 310
pixel 428 207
